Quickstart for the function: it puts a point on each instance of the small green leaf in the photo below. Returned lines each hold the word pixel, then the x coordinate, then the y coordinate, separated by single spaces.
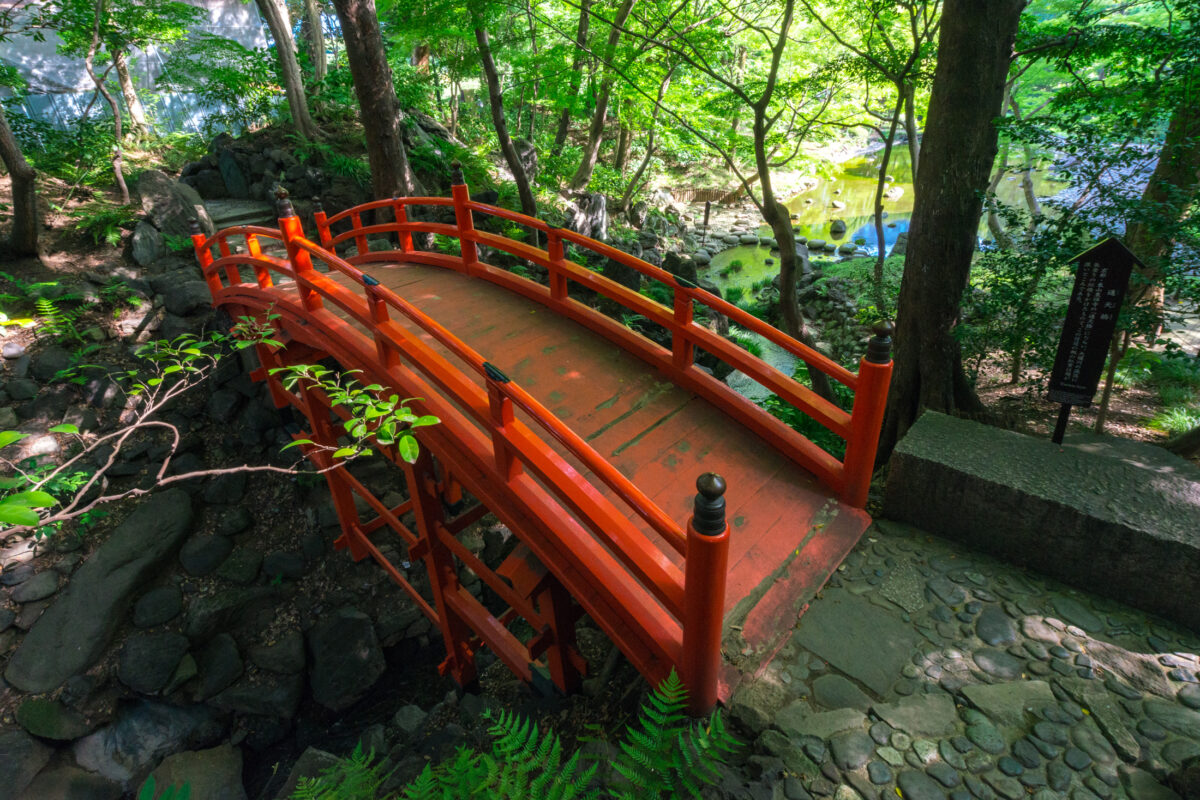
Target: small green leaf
pixel 64 428
pixel 14 514
pixel 148 789
pixel 32 499
pixel 428 419
pixel 343 452
pixel 295 443
pixel 8 437
pixel 409 449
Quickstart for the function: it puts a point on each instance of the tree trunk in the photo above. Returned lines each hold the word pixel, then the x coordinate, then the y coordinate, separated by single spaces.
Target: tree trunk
pixel 137 113
pixel 637 176
pixel 776 215
pixel 911 130
pixel 591 150
pixel 1031 201
pixel 995 225
pixel 89 66
pixel 564 119
pixel 1170 192
pixel 974 53
pixel 316 39
pixel 276 15
pixel 880 183
pixel 26 223
pixel 379 110
pixel 621 156
pixel 528 204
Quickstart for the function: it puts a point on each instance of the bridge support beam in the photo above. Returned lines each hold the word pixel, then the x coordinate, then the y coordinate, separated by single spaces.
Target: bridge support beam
pixel 704 594
pixel 866 418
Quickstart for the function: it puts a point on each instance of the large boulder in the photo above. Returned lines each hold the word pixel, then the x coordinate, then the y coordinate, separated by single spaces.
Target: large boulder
pixel 148 244
pixel 143 733
pixel 346 658
pixel 232 175
pixel 171 205
pixel 75 630
pixel 21 757
pixel 214 774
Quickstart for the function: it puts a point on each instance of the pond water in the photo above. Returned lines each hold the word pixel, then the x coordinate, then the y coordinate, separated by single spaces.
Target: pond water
pixel 854 186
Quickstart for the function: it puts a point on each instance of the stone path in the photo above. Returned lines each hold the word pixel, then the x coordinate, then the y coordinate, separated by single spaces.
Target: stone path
pixel 925 671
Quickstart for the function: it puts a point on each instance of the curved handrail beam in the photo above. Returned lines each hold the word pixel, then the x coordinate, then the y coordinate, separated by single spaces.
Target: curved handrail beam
pixel 392 203
pixel 242 230
pixel 592 460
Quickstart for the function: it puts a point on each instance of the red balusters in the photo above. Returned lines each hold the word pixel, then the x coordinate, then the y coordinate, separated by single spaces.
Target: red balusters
pixel 463 217
pixel 705 572
pixel 866 418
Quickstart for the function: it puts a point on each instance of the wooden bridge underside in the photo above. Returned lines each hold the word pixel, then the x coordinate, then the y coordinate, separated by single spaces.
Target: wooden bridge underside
pixel 787 533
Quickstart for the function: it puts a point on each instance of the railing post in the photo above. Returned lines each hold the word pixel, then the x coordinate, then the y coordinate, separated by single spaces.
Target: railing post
pixel 204 256
pixel 463 217
pixel 704 593
pixel 866 418
pixel 556 254
pixel 320 217
pixel 683 353
pixel 501 408
pixel 400 213
pixel 291 229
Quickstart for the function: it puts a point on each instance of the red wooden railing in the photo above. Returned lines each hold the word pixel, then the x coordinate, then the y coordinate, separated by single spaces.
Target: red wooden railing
pixel 621 577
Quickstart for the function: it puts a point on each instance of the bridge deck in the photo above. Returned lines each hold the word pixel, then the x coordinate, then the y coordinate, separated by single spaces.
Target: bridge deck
pixel 787 533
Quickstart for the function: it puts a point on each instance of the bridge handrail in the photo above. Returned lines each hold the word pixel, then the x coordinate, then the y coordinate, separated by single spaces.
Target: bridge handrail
pixel 746 320
pixel 850 477
pixel 576 444
pixel 657 573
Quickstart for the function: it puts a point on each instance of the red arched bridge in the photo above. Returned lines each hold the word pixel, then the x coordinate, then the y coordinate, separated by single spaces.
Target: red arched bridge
pixel 580 435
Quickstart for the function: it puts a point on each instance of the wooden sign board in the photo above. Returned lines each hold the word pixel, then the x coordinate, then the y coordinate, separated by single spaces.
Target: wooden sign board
pixel 1101 279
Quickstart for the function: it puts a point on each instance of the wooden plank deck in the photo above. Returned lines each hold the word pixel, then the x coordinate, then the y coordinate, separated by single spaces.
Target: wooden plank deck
pixel 787 532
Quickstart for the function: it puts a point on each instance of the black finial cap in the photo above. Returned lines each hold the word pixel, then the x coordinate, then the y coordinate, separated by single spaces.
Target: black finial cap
pixel 708 511
pixel 317 207
pixel 193 226
pixel 456 173
pixel 879 349
pixel 283 205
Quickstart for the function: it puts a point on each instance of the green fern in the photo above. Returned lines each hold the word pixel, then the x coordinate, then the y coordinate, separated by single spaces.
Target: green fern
pixel 353 778
pixel 668 755
pixel 56 320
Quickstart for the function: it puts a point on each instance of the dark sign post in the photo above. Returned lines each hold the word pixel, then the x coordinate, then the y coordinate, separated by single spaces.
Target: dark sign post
pixel 1101 278
pixel 707 211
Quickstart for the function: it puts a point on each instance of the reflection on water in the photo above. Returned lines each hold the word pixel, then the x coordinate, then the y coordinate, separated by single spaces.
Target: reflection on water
pixel 853 188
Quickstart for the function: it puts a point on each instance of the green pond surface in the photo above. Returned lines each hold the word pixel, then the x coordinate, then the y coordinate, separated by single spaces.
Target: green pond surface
pixel 854 185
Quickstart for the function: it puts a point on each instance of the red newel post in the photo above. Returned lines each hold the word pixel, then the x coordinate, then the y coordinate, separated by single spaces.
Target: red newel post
pixel 204 256
pixel 322 220
pixel 866 418
pixel 704 593
pixel 463 217
pixel 301 261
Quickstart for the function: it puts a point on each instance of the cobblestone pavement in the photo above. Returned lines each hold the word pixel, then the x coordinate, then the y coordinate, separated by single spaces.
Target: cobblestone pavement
pixel 925 670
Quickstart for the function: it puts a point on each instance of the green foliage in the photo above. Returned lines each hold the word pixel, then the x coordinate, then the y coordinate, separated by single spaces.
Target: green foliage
pixel 80 154
pixel 386 420
pixel 224 74
pixel 1176 420
pixel 817 433
pixel 751 346
pixel 56 320
pixel 103 221
pixel 182 791
pixel 666 756
pixel 659 293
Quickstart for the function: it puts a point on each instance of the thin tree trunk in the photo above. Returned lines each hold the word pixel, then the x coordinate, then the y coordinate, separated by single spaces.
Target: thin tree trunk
pixel 995 225
pixel 379 110
pixel 137 113
pixel 1031 201
pixel 316 39
pixel 528 203
pixel 26 223
pixel 974 53
pixel 455 92
pixel 623 208
pixel 911 130
pixel 591 150
pixel 1172 189
pixel 276 15
pixel 564 118
pixel 1116 351
pixel 881 182
pixel 114 106
pixel 533 45
pixel 621 156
